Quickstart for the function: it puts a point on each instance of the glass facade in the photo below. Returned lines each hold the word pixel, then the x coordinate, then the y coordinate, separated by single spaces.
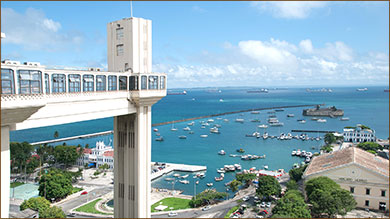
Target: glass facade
pixel 133 83
pixel 88 83
pixel 112 82
pixel 143 82
pixel 58 83
pixel 47 83
pixel 7 81
pixel 30 81
pixel 122 83
pixel 74 83
pixel 162 82
pixel 119 33
pixel 100 82
pixel 153 83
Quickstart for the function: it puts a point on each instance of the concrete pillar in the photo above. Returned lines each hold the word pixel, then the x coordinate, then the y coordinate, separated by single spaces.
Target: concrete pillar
pixel 132 157
pixel 5 171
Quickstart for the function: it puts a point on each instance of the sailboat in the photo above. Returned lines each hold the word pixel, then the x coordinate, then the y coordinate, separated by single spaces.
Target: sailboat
pixel 173 128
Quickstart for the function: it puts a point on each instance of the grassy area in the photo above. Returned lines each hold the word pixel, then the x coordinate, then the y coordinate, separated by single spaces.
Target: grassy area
pixel 231 211
pixel 16 184
pixel 76 189
pixel 90 208
pixel 175 203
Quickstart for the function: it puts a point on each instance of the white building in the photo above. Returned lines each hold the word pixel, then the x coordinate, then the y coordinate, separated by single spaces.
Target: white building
pixel 359 134
pixel 98 156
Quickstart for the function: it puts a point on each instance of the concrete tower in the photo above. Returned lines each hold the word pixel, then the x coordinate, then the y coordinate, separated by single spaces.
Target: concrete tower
pixel 129 45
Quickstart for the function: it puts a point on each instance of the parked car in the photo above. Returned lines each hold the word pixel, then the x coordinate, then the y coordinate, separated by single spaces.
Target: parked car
pixel 268 205
pixel 84 193
pixel 262 205
pixel 263 212
pixel 71 215
pixel 246 198
pixel 172 214
pixel 206 208
pixel 259 216
pixel 256 198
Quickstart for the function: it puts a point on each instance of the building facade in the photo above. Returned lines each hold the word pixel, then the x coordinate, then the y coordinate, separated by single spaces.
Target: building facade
pixel 98 156
pixel 362 173
pixel 358 134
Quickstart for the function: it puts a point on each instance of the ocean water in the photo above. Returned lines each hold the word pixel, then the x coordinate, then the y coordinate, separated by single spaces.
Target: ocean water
pixel 370 108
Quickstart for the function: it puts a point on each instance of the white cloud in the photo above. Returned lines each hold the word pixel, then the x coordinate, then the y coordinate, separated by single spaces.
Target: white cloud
pixel 289 9
pixel 306 46
pixel 34 31
pixel 198 9
pixel 337 51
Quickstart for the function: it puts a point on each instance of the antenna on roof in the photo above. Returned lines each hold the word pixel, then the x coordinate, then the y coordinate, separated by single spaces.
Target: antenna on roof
pixel 131 8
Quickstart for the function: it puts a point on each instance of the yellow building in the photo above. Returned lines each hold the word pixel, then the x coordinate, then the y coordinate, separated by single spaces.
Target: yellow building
pixel 364 174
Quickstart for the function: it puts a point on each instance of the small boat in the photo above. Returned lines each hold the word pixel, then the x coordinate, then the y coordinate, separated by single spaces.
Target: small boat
pixel 218 125
pixel 155 130
pixel 218 118
pixel 210 120
pixel 362 89
pixel 265 167
pixel 176 175
pixel 184 176
pixel 218 178
pixel 187 129
pixel 203 127
pixel 214 130
pixel 296 165
pixel 221 152
pixel 255 112
pixel 255 120
pixel 265 135
pixel 173 128
pixel 293 153
pixel 321 120
pixel 158 134
pixel 182 137
pixel 307 160
pixel 279 110
pixel 169 179
pixel 263 126
pixel 204 136
pixel 239 120
pixel 220 100
pixel 221 170
pixel 209 184
pixel 184 181
pixel 191 123
pixel 314 118
pixel 271 112
pixel 344 119
pixel 237 166
pixel 225 120
pixel 197 182
pixel 277 124
pixel 191 132
pixel 290 115
pixel 160 139
pixel 240 150
pixel 302 121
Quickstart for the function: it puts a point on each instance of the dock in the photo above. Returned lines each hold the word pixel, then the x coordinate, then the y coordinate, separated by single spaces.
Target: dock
pixel 233 112
pixel 315 131
pixel 177 167
pixel 74 137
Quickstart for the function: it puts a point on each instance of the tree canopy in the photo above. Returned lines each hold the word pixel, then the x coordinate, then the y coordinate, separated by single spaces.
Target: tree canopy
pixel 292 185
pixel 329 138
pixel 42 205
pixel 234 185
pixel 268 186
pixel 246 178
pixel 20 153
pixel 66 155
pixel 370 146
pixel 296 174
pixel 208 196
pixel 328 198
pixel 53 212
pixel 55 184
pixel 291 205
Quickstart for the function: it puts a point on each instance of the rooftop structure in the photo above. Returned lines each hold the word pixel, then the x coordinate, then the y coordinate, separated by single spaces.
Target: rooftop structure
pixel 362 173
pixel 359 134
pixel 97 156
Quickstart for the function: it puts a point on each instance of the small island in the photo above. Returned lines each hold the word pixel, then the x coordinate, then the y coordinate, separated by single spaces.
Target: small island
pixel 329 111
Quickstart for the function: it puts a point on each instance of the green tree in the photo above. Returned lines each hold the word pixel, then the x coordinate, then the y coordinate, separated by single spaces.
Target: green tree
pixel 246 178
pixel 45 152
pixel 291 205
pixel 234 185
pixel 32 164
pixel 53 212
pixel 20 153
pixel 292 185
pixel 36 204
pixel 268 186
pixel 328 198
pixel 56 134
pixel 66 155
pixel 329 138
pixel 104 167
pixel 370 146
pixel 55 184
pixel 296 174
pixel 208 196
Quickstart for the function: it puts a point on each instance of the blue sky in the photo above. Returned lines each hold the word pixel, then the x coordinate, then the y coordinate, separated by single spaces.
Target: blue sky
pixel 201 44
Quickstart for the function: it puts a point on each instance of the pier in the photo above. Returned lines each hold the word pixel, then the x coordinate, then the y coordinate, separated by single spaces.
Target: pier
pixel 315 131
pixel 74 137
pixel 233 112
pixel 177 167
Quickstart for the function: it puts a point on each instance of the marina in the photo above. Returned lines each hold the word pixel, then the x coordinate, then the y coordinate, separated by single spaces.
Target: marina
pixel 170 167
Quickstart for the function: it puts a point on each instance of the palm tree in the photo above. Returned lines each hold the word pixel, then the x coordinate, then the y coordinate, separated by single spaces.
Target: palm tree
pixel 56 134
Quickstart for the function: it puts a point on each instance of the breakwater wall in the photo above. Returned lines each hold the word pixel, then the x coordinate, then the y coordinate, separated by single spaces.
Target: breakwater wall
pixel 315 131
pixel 233 112
pixel 74 137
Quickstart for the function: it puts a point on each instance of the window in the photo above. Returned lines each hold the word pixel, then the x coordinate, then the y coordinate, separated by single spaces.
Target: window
pixel 367 191
pixel 383 193
pixel 143 83
pixel 162 82
pixel 119 50
pixel 112 82
pixel 7 81
pixel 29 81
pixel 367 203
pixel 88 83
pixel 100 83
pixel 47 83
pixel 133 83
pixel 74 83
pixel 58 83
pixel 119 33
pixel 153 82
pixel 122 83
pixel 352 189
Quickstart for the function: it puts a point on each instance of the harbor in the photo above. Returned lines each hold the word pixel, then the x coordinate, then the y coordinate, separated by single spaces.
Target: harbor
pixel 170 167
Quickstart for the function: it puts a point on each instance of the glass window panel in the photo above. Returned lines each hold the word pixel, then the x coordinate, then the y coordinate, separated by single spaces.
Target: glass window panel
pixel 122 83
pixel 88 84
pixel 58 83
pixel 112 82
pixel 100 83
pixel 30 81
pixel 7 78
pixel 143 83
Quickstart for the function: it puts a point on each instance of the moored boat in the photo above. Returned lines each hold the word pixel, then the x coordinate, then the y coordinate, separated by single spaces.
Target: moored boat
pixel 203 136
pixel 160 139
pixel 239 120
pixel 182 137
pixel 221 152
pixel 209 184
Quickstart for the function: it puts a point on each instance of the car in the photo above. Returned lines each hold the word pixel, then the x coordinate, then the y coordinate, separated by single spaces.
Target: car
pixel 71 215
pixel 263 212
pixel 262 205
pixel 268 205
pixel 206 208
pixel 84 193
pixel 172 214
pixel 256 198
pixel 246 198
pixel 259 216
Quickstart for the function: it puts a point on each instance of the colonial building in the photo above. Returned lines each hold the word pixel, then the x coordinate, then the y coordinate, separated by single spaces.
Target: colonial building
pixel 96 157
pixel 362 173
pixel 359 134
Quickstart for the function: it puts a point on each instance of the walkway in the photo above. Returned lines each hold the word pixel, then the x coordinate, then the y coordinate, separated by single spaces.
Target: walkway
pixel 177 167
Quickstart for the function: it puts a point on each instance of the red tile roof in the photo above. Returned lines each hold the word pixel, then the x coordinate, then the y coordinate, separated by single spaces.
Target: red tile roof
pixel 109 154
pixel 87 151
